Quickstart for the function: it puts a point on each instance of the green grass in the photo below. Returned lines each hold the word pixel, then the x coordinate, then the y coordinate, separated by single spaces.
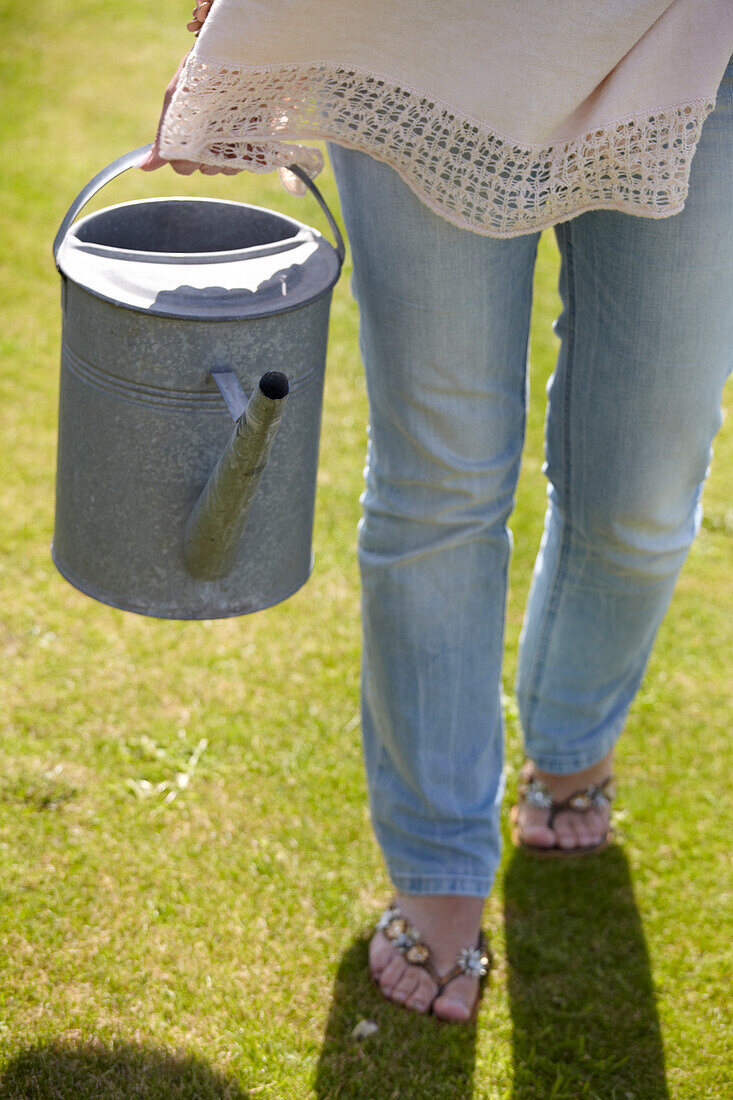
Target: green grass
pixel 209 939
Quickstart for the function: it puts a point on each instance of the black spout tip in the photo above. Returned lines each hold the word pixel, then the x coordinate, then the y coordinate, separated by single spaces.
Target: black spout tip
pixel 274 385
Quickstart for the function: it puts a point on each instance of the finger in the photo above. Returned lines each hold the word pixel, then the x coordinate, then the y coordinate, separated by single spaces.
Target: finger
pixel 210 170
pixel 152 161
pixel 199 14
pixel 184 167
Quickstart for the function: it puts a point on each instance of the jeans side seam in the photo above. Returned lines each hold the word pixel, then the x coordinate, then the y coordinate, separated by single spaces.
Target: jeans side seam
pixel 553 601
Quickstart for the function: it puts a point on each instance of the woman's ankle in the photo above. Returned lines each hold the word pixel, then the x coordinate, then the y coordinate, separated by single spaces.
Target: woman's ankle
pixel 562 784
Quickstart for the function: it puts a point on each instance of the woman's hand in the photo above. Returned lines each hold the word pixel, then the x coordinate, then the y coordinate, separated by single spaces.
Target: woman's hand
pixel 183 167
pixel 252 153
pixel 199 15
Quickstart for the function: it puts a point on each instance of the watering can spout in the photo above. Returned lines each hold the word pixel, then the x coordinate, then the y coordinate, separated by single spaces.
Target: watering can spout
pixel 215 527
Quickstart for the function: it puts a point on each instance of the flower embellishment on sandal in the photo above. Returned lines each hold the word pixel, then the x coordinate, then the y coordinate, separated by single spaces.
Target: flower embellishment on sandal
pixel 473 961
pixel 535 793
pixel 386 919
pixel 417 954
pixel 402 935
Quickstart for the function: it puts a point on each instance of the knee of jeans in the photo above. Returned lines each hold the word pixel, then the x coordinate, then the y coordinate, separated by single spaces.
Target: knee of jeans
pixel 646 535
pixel 409 514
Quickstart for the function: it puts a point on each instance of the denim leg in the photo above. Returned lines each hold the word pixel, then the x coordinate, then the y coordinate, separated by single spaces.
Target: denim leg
pixel 646 342
pixel 444 322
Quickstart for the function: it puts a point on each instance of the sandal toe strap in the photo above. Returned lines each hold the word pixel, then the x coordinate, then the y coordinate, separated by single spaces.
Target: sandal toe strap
pixel 407 939
pixel 534 792
pixel 473 961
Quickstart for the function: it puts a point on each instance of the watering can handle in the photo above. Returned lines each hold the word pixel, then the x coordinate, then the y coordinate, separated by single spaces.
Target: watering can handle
pixel 305 178
pixel 116 168
pixel 135 158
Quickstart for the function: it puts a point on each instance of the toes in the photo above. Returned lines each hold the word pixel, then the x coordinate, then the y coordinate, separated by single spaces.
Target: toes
pixel 381 952
pixel 566 830
pixel 532 825
pixel 457 1002
pixel 424 992
pixel 539 836
pixel 584 832
pixel 405 986
pixel 576 830
pixel 597 826
pixel 569 830
pixel 391 974
pixel 400 982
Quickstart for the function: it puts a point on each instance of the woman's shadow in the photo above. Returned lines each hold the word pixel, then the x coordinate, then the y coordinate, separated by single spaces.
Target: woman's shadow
pixel 584 1019
pixel 582 1001
pixel 96 1071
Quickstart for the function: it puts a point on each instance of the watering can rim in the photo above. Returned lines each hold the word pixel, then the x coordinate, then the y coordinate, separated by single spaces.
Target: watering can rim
pixel 221 314
pixel 303 234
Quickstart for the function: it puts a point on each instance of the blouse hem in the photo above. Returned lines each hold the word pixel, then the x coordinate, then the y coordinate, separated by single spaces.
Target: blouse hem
pixel 462 169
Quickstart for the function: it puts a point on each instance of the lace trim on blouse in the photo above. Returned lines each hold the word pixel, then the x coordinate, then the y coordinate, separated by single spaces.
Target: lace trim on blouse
pixel 463 170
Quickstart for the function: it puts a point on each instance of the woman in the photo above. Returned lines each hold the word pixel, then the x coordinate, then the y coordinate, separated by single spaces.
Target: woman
pixel 457 133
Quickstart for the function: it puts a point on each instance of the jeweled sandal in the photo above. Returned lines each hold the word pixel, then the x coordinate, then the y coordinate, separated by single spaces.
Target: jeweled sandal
pixel 405 938
pixel 534 792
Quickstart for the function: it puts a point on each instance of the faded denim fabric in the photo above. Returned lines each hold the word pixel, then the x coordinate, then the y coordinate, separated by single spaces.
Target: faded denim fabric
pixel 646 334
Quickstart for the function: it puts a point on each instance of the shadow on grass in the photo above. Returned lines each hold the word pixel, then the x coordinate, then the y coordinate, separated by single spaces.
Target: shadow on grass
pixel 94 1071
pixel 583 1009
pixel 410 1056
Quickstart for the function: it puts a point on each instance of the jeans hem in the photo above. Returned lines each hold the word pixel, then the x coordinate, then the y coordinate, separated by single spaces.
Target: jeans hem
pixel 564 764
pixel 458 885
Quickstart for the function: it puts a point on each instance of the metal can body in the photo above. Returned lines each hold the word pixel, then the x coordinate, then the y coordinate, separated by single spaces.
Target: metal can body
pixel 141 425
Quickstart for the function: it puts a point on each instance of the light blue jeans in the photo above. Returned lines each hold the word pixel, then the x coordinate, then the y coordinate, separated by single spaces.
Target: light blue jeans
pixel 646 334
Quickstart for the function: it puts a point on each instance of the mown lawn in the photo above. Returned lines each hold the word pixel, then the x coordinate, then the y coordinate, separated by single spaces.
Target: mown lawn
pixel 206 937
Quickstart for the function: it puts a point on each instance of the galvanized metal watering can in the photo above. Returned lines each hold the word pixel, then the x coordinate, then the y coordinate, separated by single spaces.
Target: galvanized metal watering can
pixel 180 314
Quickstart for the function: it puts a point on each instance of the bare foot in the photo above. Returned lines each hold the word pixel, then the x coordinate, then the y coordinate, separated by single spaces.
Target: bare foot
pixel 446 923
pixel 570 829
